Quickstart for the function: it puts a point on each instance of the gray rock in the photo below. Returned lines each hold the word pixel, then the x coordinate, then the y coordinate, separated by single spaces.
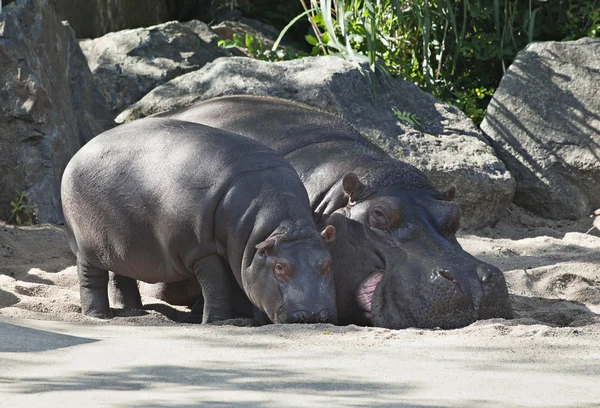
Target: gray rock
pixel 129 63
pixel 49 105
pixel 99 17
pixel 544 121
pixel 446 145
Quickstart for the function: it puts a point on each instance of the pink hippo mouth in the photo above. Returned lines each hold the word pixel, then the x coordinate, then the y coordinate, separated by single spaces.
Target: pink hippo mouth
pixel 364 295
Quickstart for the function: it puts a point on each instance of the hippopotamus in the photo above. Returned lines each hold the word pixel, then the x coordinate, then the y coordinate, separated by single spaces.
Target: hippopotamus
pixel 161 200
pixel 376 283
pixel 345 173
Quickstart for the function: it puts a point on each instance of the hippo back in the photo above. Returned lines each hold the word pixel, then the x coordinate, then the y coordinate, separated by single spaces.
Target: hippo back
pixel 262 118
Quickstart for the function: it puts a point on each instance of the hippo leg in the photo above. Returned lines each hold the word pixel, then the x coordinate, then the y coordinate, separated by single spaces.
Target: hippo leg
pixel 124 292
pixel 214 276
pixel 93 290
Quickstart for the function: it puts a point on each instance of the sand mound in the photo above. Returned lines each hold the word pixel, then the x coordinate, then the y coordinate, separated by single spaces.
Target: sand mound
pixel 553 276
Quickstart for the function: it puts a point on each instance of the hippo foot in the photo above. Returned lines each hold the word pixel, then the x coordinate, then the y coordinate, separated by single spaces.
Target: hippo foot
pixel 99 314
pixel 216 317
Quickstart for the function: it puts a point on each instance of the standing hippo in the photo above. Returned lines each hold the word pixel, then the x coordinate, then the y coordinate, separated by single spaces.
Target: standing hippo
pixel 345 173
pixel 161 200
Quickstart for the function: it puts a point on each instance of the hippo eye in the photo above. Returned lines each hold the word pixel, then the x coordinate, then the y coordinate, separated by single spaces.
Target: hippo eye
pixel 280 272
pixel 377 219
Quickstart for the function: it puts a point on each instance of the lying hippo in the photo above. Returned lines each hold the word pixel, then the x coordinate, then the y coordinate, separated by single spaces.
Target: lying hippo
pixel 162 200
pixel 378 283
pixel 345 173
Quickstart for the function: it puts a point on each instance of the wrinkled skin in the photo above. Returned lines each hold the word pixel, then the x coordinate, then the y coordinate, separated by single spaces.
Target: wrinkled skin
pixel 345 173
pixel 161 200
pixel 385 284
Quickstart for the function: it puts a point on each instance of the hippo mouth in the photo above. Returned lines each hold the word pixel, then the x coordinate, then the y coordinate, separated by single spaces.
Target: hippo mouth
pixel 364 295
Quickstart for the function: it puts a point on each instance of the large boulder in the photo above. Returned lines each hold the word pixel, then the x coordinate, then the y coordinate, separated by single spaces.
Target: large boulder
pixel 49 105
pixel 544 121
pixel 129 63
pixel 446 144
pixel 98 17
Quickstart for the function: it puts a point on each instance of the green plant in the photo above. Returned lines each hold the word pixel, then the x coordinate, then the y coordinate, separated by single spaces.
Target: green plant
pixel 406 117
pixel 255 49
pixel 17 207
pixel 458 50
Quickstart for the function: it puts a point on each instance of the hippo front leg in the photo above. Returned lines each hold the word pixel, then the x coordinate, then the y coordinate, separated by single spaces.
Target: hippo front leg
pixel 124 293
pixel 93 290
pixel 214 275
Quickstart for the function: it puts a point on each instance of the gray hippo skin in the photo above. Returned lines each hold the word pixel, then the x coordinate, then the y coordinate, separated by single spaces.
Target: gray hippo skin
pixel 161 200
pixel 345 173
pixel 378 283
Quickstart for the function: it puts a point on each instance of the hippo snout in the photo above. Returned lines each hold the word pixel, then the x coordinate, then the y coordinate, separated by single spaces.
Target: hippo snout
pixel 460 296
pixel 303 316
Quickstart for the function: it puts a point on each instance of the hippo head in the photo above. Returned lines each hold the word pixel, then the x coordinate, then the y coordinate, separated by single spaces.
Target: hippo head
pixel 289 277
pixel 435 282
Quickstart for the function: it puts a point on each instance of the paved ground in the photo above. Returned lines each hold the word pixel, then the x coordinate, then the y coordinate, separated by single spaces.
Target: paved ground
pixel 44 363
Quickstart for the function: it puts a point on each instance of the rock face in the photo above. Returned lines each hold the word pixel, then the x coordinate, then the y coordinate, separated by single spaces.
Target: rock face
pixel 99 17
pixel 544 121
pixel 49 105
pixel 446 144
pixel 129 63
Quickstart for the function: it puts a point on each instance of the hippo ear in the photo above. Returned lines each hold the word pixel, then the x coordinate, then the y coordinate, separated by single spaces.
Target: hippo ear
pixel 328 233
pixel 449 194
pixel 266 247
pixel 352 186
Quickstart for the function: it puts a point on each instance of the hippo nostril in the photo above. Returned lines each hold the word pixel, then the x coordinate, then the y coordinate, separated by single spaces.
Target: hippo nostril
pixel 447 275
pixel 484 273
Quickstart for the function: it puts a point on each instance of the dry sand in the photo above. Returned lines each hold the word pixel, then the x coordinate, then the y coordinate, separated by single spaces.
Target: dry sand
pixel 549 356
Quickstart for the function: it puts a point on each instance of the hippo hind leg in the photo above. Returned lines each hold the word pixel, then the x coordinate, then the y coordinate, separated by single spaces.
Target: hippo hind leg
pixel 124 293
pixel 93 290
pixel 214 275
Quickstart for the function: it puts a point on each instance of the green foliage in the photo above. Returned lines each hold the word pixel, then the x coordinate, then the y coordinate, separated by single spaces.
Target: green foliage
pixel 456 49
pixel 17 207
pixel 255 49
pixel 406 117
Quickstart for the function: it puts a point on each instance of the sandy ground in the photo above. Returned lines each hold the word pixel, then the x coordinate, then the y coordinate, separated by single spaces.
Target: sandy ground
pixel 549 356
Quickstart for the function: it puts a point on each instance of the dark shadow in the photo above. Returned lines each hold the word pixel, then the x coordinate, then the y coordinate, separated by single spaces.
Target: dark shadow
pixel 553 312
pixel 7 299
pixel 19 339
pixel 223 380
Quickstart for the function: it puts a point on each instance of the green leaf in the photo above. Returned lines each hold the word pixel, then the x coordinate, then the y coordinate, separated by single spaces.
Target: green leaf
pixel 226 44
pixel 249 40
pixel 406 117
pixel 311 40
pixel 237 40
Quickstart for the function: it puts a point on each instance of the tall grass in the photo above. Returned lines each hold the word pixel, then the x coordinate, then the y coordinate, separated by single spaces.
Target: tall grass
pixel 456 49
